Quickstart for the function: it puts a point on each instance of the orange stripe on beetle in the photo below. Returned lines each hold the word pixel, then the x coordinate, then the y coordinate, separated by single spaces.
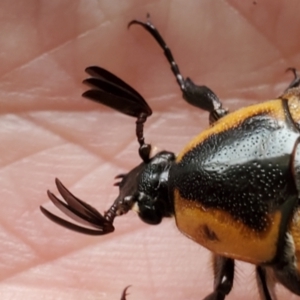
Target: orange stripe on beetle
pixel 273 108
pixel 216 230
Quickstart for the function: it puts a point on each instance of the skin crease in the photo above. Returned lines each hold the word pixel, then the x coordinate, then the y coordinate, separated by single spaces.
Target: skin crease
pixel 240 49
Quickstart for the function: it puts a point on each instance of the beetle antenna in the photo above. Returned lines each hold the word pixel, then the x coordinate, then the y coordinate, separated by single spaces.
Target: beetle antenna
pixel 83 213
pixel 108 89
pixel 145 149
pixel 168 54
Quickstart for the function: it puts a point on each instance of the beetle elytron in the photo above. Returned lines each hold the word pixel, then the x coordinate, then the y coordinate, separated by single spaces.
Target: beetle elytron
pixel 234 188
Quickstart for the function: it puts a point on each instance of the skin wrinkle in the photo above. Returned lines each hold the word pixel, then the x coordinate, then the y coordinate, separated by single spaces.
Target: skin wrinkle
pixel 17 235
pixel 66 138
pixel 130 57
pixel 263 32
pixel 40 262
pixel 70 138
pixel 91 30
pixel 17 160
pixel 259 31
pixel 11 274
pixel 54 49
pixel 39 56
pixel 41 258
pixel 150 274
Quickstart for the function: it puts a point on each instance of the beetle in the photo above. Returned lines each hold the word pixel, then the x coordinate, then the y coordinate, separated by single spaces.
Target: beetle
pixel 233 189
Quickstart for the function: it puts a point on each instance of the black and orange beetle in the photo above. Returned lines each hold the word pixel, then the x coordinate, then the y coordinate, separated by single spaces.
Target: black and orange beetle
pixel 233 189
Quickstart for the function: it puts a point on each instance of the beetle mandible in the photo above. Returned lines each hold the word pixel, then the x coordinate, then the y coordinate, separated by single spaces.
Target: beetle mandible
pixel 239 180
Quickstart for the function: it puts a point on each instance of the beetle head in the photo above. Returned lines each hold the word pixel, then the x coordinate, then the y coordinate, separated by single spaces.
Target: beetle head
pixel 145 189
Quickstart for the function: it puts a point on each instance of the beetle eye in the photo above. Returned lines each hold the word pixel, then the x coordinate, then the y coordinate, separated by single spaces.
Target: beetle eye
pixel 148 209
pixel 150 214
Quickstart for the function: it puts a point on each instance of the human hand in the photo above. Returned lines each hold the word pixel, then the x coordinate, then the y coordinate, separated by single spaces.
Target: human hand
pixel 239 49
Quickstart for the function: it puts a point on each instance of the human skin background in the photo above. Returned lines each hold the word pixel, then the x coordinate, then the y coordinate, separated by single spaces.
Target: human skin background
pixel 240 49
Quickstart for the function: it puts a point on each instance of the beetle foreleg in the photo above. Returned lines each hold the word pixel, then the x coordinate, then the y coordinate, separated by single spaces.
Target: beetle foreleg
pixel 223 274
pixel 197 95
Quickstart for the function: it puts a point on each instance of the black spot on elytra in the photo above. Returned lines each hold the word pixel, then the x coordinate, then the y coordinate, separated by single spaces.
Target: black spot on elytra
pixel 210 234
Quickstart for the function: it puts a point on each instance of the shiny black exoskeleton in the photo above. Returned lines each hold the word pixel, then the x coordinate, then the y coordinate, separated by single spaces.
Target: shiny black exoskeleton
pixel 233 189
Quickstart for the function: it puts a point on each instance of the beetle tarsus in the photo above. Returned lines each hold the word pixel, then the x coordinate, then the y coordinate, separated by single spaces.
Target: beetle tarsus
pixel 124 293
pixel 296 81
